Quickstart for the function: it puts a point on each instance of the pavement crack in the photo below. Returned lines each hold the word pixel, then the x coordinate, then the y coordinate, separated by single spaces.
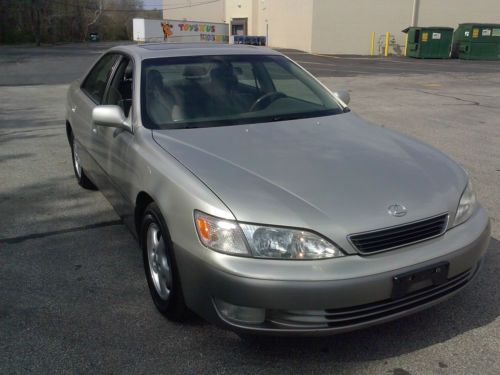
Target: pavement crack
pixel 466 101
pixel 470 102
pixel 14 240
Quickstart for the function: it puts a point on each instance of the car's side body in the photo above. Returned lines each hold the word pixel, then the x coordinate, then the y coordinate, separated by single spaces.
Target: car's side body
pixel 131 157
pixel 137 166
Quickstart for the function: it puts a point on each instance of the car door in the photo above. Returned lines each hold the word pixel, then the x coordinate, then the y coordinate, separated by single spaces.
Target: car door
pixel 89 95
pixel 113 146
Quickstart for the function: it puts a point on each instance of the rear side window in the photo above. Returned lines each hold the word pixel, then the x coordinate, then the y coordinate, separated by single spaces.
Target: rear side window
pixel 95 83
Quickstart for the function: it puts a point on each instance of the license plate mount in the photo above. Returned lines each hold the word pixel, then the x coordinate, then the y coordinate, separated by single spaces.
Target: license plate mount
pixel 412 281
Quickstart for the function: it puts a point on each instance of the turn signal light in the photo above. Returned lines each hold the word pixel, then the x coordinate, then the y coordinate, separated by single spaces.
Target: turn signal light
pixel 203 228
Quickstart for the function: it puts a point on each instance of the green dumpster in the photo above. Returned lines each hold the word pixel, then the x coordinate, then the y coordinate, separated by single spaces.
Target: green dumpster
pixel 429 42
pixel 94 37
pixel 477 41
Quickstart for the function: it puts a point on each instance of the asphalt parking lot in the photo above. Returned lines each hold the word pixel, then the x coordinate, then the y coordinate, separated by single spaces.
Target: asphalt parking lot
pixel 73 297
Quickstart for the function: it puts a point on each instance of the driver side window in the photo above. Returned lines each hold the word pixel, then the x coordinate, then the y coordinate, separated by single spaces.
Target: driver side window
pixel 120 89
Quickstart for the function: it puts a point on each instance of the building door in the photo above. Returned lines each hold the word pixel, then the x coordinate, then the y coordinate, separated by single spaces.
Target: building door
pixel 239 26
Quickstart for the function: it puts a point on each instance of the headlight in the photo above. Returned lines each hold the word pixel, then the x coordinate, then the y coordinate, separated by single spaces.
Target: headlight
pixel 262 241
pixel 282 243
pixel 467 205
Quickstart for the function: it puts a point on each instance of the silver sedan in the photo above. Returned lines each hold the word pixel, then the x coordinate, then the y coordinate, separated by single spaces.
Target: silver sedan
pixel 260 201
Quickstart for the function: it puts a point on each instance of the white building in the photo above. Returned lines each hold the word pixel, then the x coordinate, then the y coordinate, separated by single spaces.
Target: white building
pixel 332 26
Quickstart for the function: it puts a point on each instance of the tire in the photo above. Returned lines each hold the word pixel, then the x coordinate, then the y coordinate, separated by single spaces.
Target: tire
pixel 160 267
pixel 80 175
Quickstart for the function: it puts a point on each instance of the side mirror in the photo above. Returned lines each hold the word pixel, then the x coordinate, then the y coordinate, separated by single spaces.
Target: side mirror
pixel 111 116
pixel 343 96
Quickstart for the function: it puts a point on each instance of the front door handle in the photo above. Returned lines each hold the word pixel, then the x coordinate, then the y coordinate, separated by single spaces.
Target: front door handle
pixel 73 109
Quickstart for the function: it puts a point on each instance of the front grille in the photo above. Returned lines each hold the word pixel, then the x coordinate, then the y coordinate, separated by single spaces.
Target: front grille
pixel 345 317
pixel 401 235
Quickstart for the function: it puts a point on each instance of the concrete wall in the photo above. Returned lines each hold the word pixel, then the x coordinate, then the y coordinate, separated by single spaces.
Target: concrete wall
pixel 336 26
pixel 242 9
pixel 345 26
pixel 188 10
pixel 219 11
pixel 452 12
pixel 290 23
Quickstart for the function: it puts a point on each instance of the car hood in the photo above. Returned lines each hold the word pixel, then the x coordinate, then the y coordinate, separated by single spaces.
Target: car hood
pixel 336 175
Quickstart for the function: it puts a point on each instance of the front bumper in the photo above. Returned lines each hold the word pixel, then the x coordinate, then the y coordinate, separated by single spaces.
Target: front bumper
pixel 329 296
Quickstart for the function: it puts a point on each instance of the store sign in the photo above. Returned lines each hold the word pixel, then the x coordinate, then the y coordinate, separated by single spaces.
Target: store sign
pixel 194 28
pixel 196 31
pixel 171 31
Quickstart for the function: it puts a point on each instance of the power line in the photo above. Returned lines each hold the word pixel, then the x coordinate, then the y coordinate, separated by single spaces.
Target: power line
pixel 191 5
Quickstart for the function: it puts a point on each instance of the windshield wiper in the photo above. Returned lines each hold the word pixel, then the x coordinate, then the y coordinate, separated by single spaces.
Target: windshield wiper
pixel 286 117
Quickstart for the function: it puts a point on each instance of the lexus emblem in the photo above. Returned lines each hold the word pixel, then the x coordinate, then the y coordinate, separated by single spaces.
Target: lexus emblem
pixel 397 210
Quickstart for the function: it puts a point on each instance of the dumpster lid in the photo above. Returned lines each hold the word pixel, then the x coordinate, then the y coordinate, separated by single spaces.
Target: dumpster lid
pixel 480 24
pixel 427 27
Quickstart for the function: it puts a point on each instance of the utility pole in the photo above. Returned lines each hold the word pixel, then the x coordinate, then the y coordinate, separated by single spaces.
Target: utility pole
pixel 414 15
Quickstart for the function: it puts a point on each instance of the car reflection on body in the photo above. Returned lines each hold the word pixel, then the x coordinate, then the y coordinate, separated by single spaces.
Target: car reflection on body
pixel 260 201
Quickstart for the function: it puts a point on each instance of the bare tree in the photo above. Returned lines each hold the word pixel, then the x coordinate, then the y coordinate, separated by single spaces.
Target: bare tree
pixel 36 14
pixel 91 17
pixel 51 21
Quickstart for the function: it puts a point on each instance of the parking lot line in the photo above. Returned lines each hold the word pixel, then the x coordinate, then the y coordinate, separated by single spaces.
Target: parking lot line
pixel 371 68
pixel 448 65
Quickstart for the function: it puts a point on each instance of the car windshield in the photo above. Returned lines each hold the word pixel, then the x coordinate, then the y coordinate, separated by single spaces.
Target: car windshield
pixel 205 91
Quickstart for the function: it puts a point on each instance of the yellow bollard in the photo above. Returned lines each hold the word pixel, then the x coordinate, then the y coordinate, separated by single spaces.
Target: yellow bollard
pixel 406 44
pixel 387 37
pixel 372 51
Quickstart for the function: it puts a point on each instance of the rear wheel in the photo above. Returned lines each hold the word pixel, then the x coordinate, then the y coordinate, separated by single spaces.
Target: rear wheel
pixel 80 175
pixel 160 267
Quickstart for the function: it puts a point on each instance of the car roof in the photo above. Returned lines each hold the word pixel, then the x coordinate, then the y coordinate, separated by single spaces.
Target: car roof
pixel 157 50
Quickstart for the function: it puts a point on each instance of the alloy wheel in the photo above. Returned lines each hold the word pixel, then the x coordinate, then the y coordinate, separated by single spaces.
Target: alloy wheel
pixel 159 265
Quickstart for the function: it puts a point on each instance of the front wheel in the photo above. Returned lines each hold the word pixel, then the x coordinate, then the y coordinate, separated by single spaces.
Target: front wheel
pixel 160 267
